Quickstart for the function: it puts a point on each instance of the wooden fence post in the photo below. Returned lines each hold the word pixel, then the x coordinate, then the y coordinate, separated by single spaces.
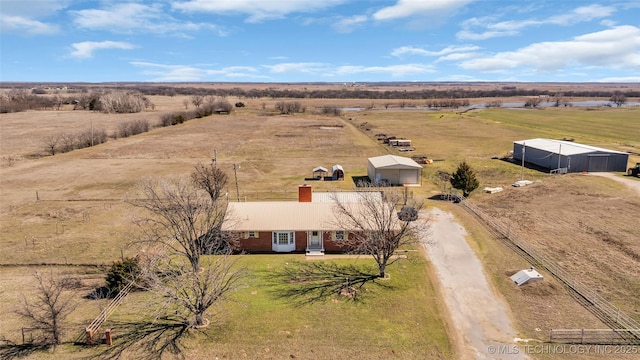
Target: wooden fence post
pixel 108 339
pixel 89 335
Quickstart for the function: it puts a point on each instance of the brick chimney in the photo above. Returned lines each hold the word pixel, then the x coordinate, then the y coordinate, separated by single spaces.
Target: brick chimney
pixel 304 193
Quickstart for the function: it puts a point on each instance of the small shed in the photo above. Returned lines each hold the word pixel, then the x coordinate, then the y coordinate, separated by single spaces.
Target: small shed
pixel 400 142
pixel 320 172
pixel 524 276
pixel 337 172
pixel 567 156
pixel 394 170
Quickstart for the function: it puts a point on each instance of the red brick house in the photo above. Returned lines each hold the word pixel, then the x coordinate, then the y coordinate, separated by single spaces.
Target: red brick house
pixel 308 225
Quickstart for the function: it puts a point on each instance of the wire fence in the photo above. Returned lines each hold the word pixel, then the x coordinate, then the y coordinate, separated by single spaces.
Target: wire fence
pixel 599 306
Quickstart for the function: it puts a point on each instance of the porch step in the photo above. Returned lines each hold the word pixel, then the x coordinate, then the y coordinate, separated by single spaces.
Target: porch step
pixel 315 253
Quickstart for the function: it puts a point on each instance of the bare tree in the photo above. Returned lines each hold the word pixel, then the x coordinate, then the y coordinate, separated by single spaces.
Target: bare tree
pixel 211 179
pixel 188 295
pixel 49 309
pixel 185 102
pixel 51 144
pixel 184 220
pixel 197 100
pixel 380 224
pixel 618 98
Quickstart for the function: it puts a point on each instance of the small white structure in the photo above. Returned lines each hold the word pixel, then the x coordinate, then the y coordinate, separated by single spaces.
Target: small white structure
pixel 524 276
pixel 493 190
pixel 394 170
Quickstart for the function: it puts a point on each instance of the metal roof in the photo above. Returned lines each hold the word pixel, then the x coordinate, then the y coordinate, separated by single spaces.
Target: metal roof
pixel 320 169
pixel 393 162
pixel 283 215
pixel 562 147
pixel 346 196
pixel 321 214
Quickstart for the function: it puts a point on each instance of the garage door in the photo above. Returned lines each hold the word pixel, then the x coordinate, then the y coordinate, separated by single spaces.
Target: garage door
pixel 598 163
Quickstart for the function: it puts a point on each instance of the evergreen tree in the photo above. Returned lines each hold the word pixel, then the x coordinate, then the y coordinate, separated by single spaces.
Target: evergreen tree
pixel 464 179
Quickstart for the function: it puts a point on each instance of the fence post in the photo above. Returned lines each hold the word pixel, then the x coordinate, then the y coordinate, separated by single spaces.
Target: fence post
pixel 582 337
pixel 108 339
pixel 89 335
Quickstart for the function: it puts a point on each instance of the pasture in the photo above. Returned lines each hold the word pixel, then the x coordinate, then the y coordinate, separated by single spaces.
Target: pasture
pixel 68 209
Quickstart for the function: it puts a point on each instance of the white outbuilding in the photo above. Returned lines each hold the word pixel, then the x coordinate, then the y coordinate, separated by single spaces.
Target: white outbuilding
pixel 394 170
pixel 524 276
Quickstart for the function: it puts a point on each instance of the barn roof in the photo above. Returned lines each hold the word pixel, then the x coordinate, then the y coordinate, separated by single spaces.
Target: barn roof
pixel 393 162
pixel 565 148
pixel 320 169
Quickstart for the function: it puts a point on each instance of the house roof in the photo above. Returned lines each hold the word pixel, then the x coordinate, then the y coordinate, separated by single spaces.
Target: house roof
pixel 565 148
pixel 281 215
pixel 321 214
pixel 346 196
pixel 394 162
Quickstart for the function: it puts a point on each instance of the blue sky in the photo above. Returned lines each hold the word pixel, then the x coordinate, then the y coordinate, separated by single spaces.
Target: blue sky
pixel 319 40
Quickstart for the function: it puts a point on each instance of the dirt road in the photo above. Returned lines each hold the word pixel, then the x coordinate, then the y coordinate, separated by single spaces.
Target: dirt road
pixel 632 183
pixel 481 321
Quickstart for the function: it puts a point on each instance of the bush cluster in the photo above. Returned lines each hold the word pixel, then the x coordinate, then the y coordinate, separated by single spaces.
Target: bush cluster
pixel 175 118
pixel 133 127
pixel 289 107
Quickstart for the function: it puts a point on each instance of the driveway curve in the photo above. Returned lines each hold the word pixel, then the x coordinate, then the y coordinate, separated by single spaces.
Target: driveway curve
pixel 481 321
pixel 632 183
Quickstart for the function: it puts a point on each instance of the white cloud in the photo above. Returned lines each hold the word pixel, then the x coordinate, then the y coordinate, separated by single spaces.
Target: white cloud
pixel 22 24
pixel 631 79
pixel 256 10
pixel 305 67
pixel 468 35
pixel 512 27
pixel 348 24
pixel 618 47
pixel 85 49
pixel 32 8
pixel 17 16
pixel 131 17
pixel 411 8
pixel 393 70
pixel 458 56
pixel 162 72
pixel 410 50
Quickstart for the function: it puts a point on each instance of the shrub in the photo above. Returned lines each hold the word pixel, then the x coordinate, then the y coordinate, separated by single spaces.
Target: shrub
pixel 122 273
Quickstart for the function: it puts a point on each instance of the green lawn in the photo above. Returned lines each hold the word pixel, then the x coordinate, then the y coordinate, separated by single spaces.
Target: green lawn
pixel 402 320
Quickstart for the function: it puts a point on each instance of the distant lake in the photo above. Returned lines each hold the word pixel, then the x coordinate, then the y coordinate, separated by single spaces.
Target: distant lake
pixel 544 104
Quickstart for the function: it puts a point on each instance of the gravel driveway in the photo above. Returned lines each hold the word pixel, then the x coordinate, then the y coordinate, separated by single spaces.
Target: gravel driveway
pixel 481 321
pixel 632 183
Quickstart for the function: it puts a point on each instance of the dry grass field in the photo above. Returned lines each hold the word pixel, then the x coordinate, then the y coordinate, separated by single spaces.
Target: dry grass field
pixel 68 209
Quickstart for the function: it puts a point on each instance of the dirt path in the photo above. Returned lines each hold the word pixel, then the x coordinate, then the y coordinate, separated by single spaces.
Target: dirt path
pixel 481 322
pixel 632 183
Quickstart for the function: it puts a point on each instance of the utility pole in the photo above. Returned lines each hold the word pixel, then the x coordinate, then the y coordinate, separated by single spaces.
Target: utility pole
pixel 235 173
pixel 522 176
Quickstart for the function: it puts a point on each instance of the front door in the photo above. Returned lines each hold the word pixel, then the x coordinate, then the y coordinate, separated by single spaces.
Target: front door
pixel 315 241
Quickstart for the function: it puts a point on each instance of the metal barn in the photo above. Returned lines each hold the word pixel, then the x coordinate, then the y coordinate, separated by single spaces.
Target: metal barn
pixel 567 156
pixel 394 170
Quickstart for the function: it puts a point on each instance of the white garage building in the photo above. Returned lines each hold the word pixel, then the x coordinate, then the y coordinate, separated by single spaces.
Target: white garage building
pixel 394 170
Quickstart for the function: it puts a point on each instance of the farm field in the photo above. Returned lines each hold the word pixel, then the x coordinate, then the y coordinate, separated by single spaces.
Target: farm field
pixel 68 208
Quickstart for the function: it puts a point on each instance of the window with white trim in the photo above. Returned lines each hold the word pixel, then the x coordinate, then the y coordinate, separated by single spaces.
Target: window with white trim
pixel 252 234
pixel 283 237
pixel 339 235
